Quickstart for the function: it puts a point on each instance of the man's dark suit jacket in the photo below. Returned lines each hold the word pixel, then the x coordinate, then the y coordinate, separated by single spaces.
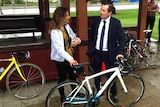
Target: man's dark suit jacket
pixel 116 38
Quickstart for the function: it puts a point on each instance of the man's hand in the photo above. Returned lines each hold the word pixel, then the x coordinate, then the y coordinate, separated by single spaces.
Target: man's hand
pixel 119 56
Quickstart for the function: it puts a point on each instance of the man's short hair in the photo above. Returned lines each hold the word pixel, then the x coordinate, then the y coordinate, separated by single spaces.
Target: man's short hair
pixel 110 9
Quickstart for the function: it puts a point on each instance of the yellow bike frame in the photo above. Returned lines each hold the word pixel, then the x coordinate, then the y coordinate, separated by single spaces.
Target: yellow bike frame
pixel 12 62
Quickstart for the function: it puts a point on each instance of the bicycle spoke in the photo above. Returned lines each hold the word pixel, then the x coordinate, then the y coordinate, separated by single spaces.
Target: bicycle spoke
pixel 24 90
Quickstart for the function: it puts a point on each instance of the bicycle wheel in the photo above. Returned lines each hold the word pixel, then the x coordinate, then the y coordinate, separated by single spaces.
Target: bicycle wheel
pixel 54 99
pixel 152 53
pixel 25 90
pixel 135 87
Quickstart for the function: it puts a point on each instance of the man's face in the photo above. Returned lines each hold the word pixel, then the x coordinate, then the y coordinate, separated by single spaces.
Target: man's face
pixel 104 14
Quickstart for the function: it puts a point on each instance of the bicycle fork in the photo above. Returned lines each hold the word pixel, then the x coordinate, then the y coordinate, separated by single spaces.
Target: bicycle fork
pixel 122 83
pixel 18 69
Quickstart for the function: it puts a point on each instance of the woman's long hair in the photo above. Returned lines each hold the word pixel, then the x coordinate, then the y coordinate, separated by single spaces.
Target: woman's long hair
pixel 58 16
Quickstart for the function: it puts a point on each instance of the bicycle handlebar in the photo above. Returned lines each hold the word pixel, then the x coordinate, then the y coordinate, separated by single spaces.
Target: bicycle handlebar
pixel 123 62
pixel 120 61
pixel 23 55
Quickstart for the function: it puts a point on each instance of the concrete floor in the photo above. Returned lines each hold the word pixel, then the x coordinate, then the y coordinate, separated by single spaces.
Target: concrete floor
pixel 150 98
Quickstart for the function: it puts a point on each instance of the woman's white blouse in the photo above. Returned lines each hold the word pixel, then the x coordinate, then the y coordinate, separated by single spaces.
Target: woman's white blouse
pixel 58 52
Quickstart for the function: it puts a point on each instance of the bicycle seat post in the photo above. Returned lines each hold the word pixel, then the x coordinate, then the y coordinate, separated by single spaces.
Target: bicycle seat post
pixel 146 32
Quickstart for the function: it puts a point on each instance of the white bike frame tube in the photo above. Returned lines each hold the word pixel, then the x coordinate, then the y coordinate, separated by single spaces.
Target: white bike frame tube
pixel 122 83
pixel 88 86
pixel 82 84
pixel 108 82
pixel 87 78
pixel 130 42
pixel 116 73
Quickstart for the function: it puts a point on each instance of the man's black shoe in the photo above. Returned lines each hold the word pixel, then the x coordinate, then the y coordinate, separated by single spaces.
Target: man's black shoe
pixel 115 98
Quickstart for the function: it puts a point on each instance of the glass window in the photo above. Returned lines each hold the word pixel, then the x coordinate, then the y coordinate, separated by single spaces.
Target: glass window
pixel 23 7
pixel 20 22
pixel 125 10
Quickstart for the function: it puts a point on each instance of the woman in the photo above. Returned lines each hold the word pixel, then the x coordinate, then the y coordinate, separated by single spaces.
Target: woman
pixel 62 40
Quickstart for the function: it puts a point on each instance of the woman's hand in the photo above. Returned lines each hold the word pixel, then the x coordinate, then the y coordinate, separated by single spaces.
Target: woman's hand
pixel 73 62
pixel 76 42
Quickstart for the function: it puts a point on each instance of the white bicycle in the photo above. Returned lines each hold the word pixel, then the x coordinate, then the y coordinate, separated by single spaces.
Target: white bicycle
pixel 130 89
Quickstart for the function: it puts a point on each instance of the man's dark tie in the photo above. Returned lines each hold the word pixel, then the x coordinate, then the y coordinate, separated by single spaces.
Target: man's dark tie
pixel 102 36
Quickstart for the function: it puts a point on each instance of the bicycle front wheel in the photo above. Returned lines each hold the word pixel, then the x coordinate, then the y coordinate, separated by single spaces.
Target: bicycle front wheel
pixel 152 53
pixel 135 87
pixel 25 90
pixel 55 99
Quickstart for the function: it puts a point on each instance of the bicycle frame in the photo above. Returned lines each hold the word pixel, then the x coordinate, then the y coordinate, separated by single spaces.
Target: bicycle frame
pixel 116 73
pixel 12 62
pixel 129 49
pixel 145 41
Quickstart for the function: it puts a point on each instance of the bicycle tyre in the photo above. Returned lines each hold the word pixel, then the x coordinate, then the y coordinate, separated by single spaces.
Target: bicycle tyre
pixel 152 53
pixel 53 98
pixel 25 90
pixel 135 86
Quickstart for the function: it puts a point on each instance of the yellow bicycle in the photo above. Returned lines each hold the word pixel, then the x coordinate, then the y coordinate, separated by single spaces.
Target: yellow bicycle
pixel 23 80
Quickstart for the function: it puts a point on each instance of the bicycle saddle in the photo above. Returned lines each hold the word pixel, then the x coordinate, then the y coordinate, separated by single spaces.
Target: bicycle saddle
pixel 79 68
pixel 80 65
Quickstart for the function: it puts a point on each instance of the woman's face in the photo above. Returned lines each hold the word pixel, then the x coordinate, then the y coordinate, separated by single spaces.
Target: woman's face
pixel 67 17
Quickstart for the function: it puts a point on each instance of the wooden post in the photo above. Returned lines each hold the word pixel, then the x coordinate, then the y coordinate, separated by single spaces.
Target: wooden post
pixel 82 27
pixel 44 13
pixel 66 3
pixel 142 17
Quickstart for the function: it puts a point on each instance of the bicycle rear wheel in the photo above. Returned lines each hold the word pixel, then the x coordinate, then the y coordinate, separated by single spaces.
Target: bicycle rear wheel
pixel 135 87
pixel 152 53
pixel 25 90
pixel 54 99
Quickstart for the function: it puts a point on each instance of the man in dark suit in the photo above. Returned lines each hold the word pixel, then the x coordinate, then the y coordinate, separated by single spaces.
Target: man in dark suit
pixel 113 42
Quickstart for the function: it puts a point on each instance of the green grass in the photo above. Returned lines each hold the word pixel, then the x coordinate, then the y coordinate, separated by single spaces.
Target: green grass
pixel 127 18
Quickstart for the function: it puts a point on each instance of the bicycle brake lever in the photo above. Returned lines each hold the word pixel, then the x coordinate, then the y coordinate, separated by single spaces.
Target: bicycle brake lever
pixel 28 55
